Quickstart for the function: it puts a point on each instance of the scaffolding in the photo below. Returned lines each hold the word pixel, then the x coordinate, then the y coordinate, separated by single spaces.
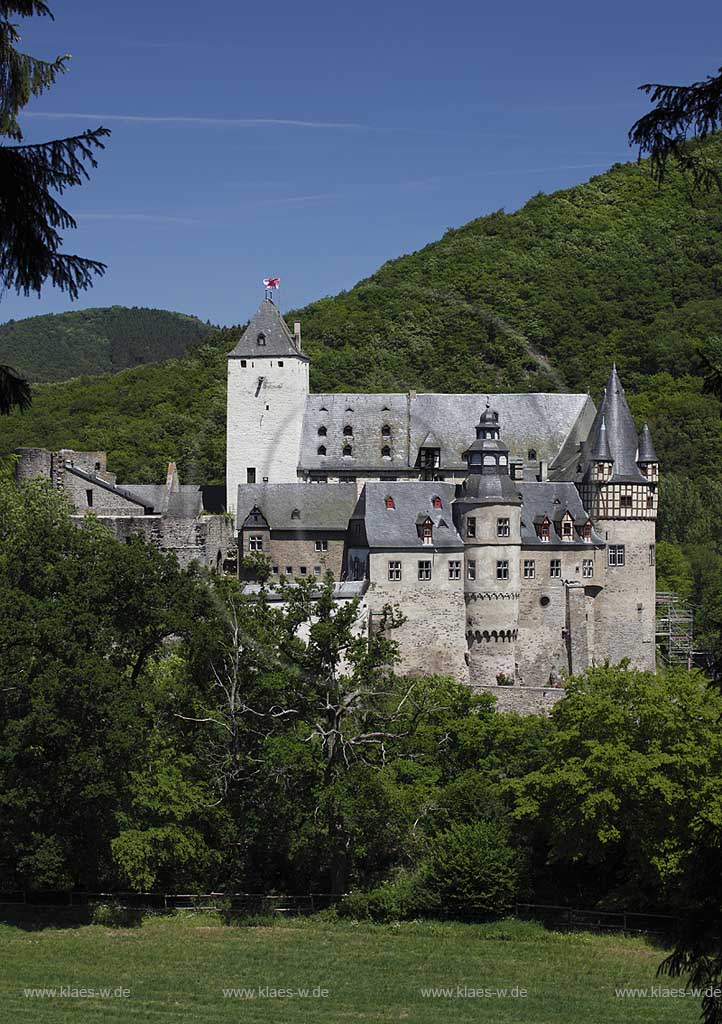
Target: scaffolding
pixel 675 630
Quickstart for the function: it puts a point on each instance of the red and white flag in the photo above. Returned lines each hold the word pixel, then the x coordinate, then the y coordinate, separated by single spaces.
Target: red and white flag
pixel 271 282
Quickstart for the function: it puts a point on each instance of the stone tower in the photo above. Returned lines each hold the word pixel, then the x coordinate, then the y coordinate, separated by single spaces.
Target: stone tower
pixel 488 517
pixel 619 479
pixel 267 392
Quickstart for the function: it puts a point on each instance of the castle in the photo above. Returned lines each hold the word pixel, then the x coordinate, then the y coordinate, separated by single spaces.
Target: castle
pixel 515 532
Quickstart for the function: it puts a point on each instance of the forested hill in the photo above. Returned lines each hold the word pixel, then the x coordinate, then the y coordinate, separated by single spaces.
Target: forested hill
pixel 544 298
pixel 93 341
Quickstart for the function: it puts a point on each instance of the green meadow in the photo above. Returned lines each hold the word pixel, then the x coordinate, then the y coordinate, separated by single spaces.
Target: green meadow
pixel 320 969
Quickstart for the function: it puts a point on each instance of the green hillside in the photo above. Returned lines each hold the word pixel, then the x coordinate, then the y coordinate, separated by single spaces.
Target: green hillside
pixel 93 341
pixel 544 298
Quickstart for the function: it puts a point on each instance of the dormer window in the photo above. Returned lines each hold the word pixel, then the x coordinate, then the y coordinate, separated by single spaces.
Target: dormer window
pixel 347 451
pixel 385 452
pixel 436 501
pixel 348 430
pixel 587 531
pixel 261 339
pixel 296 514
pixel 427 531
pixel 430 458
pixel 322 431
pixel 544 530
pixel 321 449
pixel 390 503
pixel 567 528
pixel 386 430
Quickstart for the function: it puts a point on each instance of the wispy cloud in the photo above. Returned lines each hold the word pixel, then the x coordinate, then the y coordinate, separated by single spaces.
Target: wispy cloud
pixel 146 218
pixel 223 122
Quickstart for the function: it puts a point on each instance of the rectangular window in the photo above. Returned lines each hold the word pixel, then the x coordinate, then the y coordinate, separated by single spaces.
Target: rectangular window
pixel 555 568
pixel 280 362
pixel 274 570
pixel 454 570
pixel 502 570
pixel 587 568
pixel 502 527
pixel 394 570
pixel 424 570
pixel 303 570
pixel 652 555
pixel 89 497
pixel 567 530
pixel 426 534
pixel 616 554
pixel 255 543
pixel 289 570
pixel 317 570
pixel 471 526
pixel 626 501
pixel 321 545
pixel 243 362
pixel 471 569
pixel 650 501
pixel 529 569
pixel 251 475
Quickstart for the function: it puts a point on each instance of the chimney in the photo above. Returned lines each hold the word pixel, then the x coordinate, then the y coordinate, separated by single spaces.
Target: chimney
pixel 172 483
pixel 297 334
pixel 542 475
pixel 517 469
pixel 412 395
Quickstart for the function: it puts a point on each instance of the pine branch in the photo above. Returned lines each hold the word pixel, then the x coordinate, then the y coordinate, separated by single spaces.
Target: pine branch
pixel 14 391
pixel 21 75
pixel 30 216
pixel 683 117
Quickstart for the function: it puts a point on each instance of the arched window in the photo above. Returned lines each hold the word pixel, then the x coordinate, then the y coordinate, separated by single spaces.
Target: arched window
pixel 531 454
pixel 296 514
pixel 436 501
pixel 261 339
pixel 348 430
pixel 386 452
pixel 390 503
pixel 347 451
pixel 502 460
pixel 322 431
pixel 489 460
pixel 322 449
pixel 386 430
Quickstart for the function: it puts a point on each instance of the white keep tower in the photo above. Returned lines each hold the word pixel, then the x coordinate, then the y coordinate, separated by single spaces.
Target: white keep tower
pixel 267 392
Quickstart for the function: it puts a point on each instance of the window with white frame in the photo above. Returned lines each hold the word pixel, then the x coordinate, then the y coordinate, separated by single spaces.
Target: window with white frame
pixel 471 526
pixel 616 555
pixel 255 542
pixel 502 527
pixel 471 569
pixel 529 569
pixel 555 568
pixel 587 568
pixel 424 570
pixel 454 569
pixel 394 570
pixel 502 569
pixel 321 545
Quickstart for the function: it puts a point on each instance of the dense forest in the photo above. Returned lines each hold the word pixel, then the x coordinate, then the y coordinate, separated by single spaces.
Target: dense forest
pixel 59 346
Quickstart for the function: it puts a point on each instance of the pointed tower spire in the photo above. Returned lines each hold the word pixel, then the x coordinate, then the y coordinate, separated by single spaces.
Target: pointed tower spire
pixel 601 452
pixel 646 447
pixel 614 429
pixel 267 334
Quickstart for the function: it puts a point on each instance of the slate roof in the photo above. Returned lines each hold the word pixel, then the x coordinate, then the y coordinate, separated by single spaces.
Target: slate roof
pixel 122 492
pixel 397 528
pixel 646 447
pixel 546 423
pixel 320 506
pixel 155 499
pixel 268 321
pixel 614 414
pixel 551 499
pixel 490 489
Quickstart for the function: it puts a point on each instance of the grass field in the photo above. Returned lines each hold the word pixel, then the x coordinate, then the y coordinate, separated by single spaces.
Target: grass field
pixel 176 969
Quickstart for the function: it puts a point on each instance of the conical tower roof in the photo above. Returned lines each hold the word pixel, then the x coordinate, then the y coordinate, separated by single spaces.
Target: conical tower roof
pixel 601 452
pixel 267 335
pixel 614 427
pixel 646 447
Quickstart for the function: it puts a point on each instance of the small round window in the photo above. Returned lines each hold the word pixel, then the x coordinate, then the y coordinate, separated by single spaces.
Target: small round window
pixel 544 601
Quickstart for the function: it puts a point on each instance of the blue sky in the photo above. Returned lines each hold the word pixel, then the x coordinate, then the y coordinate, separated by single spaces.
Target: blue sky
pixel 316 140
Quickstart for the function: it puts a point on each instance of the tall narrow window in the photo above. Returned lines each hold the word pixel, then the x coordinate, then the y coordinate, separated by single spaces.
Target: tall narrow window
pixel 89 497
pixel 587 568
pixel 555 568
pixel 394 570
pixel 471 569
pixel 261 339
pixel 529 569
pixel 427 533
pixel 502 527
pixel 390 503
pixel 251 475
pixel 652 556
pixel 471 526
pixel 502 569
pixel 454 570
pixel 424 570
